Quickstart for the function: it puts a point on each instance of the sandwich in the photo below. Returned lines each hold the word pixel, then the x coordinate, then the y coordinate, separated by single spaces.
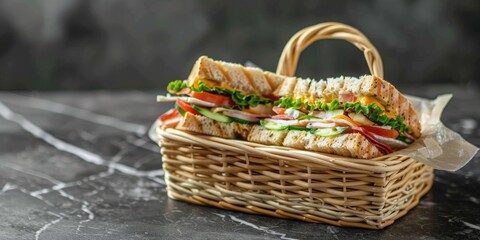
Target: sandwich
pixel 363 117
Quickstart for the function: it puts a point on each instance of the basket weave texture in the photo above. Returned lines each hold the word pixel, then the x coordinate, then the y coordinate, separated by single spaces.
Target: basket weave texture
pixel 289 183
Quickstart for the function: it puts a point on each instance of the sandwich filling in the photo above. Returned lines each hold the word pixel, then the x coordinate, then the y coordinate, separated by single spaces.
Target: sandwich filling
pixel 327 117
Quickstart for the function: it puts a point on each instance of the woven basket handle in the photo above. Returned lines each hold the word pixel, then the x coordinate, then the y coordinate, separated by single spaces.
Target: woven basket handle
pixel 287 64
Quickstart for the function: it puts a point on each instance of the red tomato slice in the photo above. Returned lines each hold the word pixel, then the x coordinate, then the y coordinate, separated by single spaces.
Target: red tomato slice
pixel 170 119
pixel 169 115
pixel 278 110
pixel 185 106
pixel 381 146
pixel 382 131
pixel 213 98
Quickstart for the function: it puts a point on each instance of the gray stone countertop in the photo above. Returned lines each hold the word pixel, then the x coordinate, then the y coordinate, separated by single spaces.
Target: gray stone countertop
pixel 79 165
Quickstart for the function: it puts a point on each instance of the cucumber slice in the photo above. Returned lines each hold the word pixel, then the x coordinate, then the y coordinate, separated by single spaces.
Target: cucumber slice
pixel 180 110
pixel 238 120
pixel 272 125
pixel 298 128
pixel 329 132
pixel 215 116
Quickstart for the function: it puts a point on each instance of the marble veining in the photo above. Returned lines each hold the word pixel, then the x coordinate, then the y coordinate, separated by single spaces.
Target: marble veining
pixel 63 146
pixel 473 226
pixel 59 218
pixel 254 226
pixel 99 176
pixel 474 199
pixel 60 108
pixel 36 131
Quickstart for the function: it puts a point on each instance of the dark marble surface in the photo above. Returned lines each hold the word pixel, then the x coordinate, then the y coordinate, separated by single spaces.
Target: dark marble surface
pixel 80 166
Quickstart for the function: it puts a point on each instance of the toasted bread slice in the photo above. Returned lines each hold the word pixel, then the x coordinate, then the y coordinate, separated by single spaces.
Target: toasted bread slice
pixel 234 76
pixel 237 78
pixel 286 88
pixel 258 80
pixel 274 80
pixel 350 145
pixel 205 125
pixel 206 69
pixel 296 139
pixel 262 135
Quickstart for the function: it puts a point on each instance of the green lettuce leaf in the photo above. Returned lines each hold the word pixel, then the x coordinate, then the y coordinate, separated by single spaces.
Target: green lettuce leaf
pixel 289 103
pixel 377 115
pixel 176 86
pixel 241 100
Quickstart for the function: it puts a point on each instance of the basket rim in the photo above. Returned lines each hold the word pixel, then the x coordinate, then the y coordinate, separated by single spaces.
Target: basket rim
pixel 382 164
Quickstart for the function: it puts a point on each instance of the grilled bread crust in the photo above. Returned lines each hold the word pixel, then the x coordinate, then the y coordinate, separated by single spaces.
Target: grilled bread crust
pixel 205 125
pixel 350 145
pixel 246 79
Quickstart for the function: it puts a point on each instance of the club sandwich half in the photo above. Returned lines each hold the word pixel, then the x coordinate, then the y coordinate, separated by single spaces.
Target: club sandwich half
pixel 363 117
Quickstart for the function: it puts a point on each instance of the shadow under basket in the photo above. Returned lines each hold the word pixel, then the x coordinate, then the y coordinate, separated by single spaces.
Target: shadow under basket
pixel 289 183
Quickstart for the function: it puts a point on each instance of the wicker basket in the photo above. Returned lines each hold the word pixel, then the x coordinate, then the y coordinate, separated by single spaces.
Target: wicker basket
pixel 289 183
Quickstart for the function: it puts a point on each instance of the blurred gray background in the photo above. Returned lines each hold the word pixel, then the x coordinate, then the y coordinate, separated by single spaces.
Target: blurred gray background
pixel 143 44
